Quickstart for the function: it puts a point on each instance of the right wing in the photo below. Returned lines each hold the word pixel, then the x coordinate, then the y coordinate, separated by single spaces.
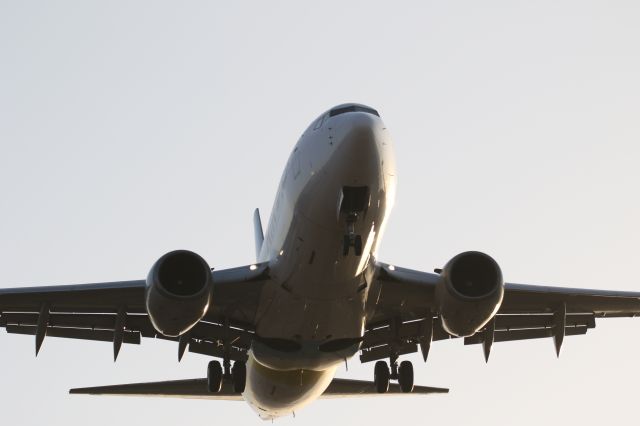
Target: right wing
pixel 115 312
pixel 403 313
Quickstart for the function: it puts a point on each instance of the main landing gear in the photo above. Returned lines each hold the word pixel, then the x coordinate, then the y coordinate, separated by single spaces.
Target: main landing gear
pixel 236 375
pixel 403 373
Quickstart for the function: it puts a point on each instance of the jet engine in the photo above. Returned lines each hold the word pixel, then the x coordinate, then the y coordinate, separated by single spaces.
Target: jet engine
pixel 469 293
pixel 178 292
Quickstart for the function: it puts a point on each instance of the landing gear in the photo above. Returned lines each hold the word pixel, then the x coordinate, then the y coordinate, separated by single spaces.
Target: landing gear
pixel 236 375
pixel 381 377
pixel 214 376
pixel 353 206
pixel 357 245
pixel 349 241
pixel 405 376
pixel 402 373
pixel 239 376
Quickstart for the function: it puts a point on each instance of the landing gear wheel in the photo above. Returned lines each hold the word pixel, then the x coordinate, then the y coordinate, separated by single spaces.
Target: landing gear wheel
pixel 346 243
pixel 214 377
pixel 381 377
pixel 405 376
pixel 239 376
pixel 357 245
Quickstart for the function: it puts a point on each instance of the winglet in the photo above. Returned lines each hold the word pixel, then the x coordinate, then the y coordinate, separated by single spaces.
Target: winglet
pixel 257 230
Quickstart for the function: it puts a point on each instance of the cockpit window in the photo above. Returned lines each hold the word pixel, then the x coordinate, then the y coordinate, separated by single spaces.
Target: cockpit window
pixel 352 108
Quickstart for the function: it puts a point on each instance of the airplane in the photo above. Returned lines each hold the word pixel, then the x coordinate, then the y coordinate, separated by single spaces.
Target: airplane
pixel 316 295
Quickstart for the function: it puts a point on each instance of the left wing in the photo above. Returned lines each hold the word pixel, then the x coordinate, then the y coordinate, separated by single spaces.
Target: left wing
pixel 403 313
pixel 115 312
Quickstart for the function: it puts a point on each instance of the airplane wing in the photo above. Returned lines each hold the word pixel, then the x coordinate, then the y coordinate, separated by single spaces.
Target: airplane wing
pixel 197 389
pixel 403 315
pixel 115 312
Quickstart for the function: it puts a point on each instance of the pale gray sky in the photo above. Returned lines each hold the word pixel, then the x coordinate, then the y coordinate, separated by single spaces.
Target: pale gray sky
pixel 128 129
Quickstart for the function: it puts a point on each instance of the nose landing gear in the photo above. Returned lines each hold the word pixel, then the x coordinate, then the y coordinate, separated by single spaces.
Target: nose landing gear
pixel 350 238
pixel 354 204
pixel 402 373
pixel 354 241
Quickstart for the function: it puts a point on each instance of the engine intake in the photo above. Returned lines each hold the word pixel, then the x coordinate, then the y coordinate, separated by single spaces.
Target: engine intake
pixel 178 293
pixel 181 273
pixel 469 293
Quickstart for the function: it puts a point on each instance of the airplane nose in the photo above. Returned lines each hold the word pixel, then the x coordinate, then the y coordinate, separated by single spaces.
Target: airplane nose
pixel 361 122
pixel 360 136
pixel 359 150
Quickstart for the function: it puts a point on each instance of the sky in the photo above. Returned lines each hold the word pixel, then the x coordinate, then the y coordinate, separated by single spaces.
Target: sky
pixel 129 129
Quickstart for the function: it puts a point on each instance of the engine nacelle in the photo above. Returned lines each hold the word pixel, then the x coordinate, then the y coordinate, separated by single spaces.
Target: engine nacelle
pixel 469 293
pixel 178 293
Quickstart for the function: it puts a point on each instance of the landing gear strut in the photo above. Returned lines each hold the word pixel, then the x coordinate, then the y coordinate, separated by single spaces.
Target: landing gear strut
pixel 350 239
pixel 402 373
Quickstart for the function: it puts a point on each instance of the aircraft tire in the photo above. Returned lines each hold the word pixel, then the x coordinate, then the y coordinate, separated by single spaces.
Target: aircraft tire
pixel 214 376
pixel 405 376
pixel 346 243
pixel 239 375
pixel 357 245
pixel 381 377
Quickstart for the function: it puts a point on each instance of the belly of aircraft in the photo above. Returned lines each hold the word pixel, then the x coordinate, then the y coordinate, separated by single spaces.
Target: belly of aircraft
pixel 315 301
pixel 275 393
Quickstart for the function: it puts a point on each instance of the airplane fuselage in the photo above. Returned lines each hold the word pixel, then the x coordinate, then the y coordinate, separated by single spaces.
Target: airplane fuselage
pixel 338 187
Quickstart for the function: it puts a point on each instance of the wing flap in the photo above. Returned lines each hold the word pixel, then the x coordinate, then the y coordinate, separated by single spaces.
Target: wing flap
pixel 131 337
pixel 139 323
pixel 506 322
pixel 535 333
